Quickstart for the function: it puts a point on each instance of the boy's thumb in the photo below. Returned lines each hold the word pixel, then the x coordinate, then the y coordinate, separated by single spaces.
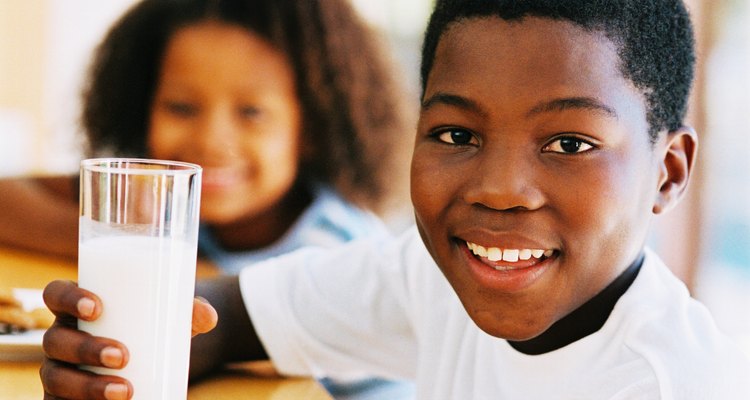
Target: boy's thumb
pixel 204 316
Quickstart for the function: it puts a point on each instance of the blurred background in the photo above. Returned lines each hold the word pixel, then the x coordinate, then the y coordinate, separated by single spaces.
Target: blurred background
pixel 45 46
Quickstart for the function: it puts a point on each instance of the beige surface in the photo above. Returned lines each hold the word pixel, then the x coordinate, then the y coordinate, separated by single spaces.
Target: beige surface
pixel 20 380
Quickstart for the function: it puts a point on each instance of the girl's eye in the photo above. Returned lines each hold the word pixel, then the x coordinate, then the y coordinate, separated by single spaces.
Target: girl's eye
pixel 249 111
pixel 456 137
pixel 568 145
pixel 181 108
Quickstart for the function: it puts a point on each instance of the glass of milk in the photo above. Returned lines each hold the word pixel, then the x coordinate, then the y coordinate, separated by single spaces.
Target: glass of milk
pixel 137 251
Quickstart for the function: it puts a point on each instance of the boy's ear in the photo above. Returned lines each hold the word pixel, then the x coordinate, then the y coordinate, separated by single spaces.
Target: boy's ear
pixel 678 157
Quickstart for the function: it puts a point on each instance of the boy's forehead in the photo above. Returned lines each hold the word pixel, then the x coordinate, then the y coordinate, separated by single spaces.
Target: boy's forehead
pixel 528 37
pixel 550 48
pixel 530 60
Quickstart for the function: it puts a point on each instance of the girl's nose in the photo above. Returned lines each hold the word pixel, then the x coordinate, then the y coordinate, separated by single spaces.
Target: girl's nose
pixel 217 133
pixel 505 182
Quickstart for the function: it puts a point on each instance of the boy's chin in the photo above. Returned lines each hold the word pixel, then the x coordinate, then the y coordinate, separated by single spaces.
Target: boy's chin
pixel 508 329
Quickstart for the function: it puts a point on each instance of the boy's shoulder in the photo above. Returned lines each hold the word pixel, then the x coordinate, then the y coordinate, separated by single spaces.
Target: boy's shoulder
pixel 659 304
pixel 678 338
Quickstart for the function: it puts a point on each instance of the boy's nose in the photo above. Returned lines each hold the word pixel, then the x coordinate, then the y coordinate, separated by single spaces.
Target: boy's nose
pixel 505 183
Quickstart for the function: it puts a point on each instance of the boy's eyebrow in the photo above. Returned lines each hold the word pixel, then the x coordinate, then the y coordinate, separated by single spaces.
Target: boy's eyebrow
pixel 453 100
pixel 560 104
pixel 572 102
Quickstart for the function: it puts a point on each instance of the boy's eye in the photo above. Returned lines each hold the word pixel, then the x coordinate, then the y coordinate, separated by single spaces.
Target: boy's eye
pixel 456 136
pixel 568 145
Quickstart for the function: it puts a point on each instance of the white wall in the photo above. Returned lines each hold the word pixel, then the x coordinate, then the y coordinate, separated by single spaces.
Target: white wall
pixel 44 51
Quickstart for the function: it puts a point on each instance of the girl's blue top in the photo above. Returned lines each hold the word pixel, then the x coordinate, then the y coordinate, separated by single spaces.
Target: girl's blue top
pixel 328 221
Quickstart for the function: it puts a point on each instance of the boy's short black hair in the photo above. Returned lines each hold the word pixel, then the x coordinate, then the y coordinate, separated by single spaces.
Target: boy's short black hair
pixel 654 40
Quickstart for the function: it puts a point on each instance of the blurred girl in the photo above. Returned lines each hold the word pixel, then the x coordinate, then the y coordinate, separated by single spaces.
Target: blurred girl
pixel 290 107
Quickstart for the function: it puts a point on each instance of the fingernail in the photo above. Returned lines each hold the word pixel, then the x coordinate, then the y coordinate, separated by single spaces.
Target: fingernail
pixel 111 357
pixel 86 307
pixel 201 299
pixel 116 391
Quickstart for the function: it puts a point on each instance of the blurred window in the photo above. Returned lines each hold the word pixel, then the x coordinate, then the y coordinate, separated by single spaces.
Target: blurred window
pixel 723 280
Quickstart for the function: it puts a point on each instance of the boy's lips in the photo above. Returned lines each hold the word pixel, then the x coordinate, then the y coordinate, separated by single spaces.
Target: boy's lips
pixel 509 258
pixel 507 269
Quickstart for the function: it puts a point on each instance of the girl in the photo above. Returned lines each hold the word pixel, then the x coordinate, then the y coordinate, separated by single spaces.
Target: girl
pixel 290 107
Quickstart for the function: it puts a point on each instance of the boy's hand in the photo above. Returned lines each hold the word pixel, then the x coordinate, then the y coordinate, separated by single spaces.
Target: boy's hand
pixel 205 317
pixel 65 347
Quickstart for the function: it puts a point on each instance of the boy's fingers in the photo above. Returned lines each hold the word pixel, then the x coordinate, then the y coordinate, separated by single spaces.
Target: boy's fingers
pixel 61 381
pixel 72 346
pixel 204 316
pixel 65 299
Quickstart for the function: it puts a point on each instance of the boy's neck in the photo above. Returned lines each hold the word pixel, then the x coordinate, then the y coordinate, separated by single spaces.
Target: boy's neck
pixel 583 321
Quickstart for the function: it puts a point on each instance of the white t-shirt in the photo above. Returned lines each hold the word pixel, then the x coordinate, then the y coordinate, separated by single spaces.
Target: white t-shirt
pixel 382 307
pixel 328 221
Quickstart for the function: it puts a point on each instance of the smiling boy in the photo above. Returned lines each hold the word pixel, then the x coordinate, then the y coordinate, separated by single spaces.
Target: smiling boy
pixel 530 138
pixel 551 133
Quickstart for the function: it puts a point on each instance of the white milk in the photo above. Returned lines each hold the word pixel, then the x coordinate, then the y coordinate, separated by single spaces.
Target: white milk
pixel 146 285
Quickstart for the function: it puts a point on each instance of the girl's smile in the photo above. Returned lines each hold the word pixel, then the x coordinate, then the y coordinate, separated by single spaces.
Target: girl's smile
pixel 221 179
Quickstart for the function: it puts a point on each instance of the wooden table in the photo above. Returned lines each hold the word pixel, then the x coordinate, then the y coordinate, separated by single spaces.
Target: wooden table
pixel 19 380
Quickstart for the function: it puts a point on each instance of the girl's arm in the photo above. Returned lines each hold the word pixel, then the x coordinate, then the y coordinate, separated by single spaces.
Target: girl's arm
pixel 40 214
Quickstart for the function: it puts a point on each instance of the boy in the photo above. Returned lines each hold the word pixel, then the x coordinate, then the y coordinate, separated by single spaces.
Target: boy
pixel 550 133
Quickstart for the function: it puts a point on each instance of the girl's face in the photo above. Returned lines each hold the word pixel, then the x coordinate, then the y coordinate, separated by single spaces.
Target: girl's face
pixel 226 100
pixel 533 178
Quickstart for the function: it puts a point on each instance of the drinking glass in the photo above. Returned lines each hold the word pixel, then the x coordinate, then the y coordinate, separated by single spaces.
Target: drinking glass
pixel 138 237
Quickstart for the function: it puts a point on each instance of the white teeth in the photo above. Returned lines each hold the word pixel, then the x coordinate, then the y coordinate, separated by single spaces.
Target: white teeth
pixel 481 251
pixel 494 254
pixel 508 255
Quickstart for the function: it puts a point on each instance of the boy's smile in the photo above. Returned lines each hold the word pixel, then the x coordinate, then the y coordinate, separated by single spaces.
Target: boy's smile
pixel 533 176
